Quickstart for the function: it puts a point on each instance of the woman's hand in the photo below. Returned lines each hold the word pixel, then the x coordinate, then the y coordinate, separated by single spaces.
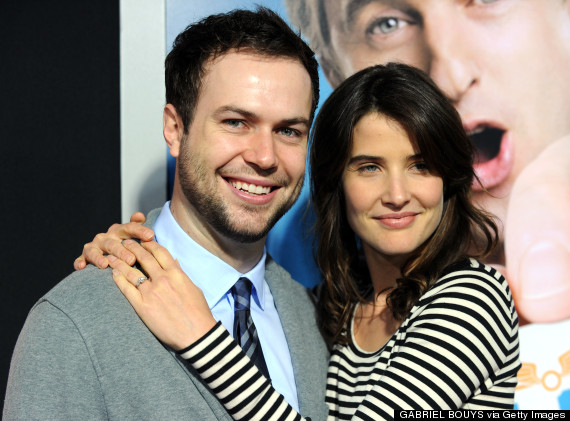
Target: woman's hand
pixel 110 243
pixel 173 308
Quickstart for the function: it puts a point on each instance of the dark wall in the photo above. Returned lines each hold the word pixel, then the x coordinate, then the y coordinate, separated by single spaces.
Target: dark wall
pixel 59 145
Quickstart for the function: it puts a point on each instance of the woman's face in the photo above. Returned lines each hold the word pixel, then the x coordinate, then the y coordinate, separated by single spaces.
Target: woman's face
pixel 393 203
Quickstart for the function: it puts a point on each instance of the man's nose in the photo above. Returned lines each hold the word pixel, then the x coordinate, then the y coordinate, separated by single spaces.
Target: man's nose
pixel 452 62
pixel 260 150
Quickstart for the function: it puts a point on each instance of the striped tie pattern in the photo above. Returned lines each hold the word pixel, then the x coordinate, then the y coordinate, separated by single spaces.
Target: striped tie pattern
pixel 244 329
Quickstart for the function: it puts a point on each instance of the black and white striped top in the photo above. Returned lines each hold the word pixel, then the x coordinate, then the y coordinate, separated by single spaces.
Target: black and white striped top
pixel 458 348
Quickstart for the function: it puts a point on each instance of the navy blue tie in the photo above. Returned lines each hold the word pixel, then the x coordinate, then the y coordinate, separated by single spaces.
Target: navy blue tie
pixel 244 329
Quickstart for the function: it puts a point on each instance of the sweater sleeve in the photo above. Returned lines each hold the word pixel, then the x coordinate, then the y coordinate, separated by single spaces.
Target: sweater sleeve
pixel 233 378
pixel 52 375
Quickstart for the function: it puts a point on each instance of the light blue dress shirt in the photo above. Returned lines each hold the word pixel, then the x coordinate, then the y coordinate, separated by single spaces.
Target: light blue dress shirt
pixel 215 278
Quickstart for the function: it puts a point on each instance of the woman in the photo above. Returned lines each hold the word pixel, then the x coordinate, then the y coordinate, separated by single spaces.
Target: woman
pixel 413 319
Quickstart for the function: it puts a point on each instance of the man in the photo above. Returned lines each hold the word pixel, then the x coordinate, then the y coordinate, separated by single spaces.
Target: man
pixel 505 64
pixel 241 92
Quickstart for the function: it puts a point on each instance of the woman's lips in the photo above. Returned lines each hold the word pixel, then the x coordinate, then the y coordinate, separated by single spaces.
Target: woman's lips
pixel 493 170
pixel 399 220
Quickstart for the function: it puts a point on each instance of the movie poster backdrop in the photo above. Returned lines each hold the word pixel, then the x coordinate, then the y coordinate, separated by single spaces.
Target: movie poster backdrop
pixel 505 64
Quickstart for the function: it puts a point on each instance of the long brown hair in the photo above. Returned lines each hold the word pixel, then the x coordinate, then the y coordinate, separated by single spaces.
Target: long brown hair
pixel 409 97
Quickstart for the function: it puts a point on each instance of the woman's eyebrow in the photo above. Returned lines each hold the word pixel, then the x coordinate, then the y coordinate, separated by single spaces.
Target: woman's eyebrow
pixel 364 158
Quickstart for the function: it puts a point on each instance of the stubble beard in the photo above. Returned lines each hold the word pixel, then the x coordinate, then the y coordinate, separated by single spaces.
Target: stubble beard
pixel 204 197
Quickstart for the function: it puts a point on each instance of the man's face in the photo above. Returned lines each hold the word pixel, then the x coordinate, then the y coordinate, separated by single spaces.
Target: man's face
pixel 242 163
pixel 504 63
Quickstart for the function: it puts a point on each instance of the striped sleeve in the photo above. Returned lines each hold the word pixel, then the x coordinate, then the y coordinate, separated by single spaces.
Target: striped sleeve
pixel 233 378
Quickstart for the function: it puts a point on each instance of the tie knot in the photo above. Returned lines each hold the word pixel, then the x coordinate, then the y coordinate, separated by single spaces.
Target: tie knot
pixel 242 293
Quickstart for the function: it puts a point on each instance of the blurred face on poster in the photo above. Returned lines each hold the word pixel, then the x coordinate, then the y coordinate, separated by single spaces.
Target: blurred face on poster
pixel 505 64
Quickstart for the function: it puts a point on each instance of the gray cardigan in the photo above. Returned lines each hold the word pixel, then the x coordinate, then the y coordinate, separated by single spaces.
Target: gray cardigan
pixel 84 354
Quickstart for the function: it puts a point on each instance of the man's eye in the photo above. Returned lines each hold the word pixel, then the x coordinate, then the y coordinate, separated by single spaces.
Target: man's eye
pixel 288 132
pixel 385 25
pixel 233 123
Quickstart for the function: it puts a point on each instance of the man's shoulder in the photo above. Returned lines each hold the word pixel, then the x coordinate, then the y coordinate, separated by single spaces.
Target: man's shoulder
pixel 279 279
pixel 274 270
pixel 87 294
pixel 288 293
pixel 82 284
pixel 87 307
pixel 91 289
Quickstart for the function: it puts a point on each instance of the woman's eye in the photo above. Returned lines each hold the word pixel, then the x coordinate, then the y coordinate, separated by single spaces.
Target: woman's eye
pixel 421 166
pixel 368 168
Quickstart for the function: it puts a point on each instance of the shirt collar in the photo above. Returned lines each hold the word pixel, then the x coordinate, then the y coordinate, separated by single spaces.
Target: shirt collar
pixel 210 273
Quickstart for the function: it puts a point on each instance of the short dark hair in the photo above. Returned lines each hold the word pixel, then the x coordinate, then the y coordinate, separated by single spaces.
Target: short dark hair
pixel 260 32
pixel 409 97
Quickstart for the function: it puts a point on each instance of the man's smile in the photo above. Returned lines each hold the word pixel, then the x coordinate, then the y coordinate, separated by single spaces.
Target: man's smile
pixel 250 188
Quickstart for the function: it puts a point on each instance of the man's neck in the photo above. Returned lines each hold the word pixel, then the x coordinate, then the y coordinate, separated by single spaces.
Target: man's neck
pixel 241 256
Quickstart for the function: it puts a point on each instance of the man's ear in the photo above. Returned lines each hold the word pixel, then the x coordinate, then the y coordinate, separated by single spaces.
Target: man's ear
pixel 172 129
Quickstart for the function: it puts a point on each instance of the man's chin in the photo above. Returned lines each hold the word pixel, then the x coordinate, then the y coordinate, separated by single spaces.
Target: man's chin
pixel 245 237
pixel 240 230
pixel 254 232
pixel 247 226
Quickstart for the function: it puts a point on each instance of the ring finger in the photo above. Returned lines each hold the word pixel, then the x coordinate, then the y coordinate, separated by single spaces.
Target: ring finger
pixel 132 274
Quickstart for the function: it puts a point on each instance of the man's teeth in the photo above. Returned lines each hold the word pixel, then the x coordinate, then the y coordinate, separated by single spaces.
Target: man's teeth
pixel 251 188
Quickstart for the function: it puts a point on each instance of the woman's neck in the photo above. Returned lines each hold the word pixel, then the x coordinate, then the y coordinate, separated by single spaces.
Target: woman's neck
pixel 384 271
pixel 374 322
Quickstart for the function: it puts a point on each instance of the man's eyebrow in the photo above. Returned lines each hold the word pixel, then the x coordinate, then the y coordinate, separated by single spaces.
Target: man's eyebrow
pixel 352 8
pixel 253 116
pixel 237 110
pixel 296 120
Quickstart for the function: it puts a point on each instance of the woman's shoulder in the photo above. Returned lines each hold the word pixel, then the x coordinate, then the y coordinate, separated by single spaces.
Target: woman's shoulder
pixel 473 269
pixel 468 264
pixel 473 292
pixel 470 277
